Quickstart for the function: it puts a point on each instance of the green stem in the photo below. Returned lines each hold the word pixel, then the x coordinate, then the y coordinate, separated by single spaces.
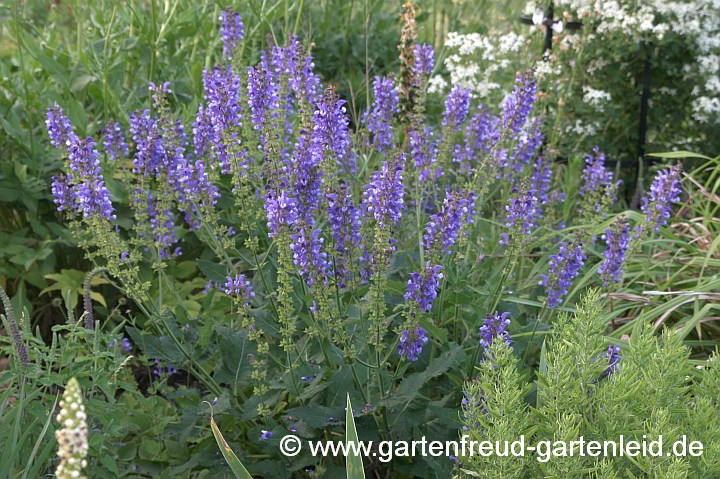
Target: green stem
pixel 496 300
pixel 532 336
pixel 297 18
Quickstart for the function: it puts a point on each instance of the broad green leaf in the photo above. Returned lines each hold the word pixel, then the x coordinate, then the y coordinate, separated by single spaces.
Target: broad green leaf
pixel 215 272
pixel 317 416
pixel 410 386
pixel 157 348
pixel 354 463
pixel 237 468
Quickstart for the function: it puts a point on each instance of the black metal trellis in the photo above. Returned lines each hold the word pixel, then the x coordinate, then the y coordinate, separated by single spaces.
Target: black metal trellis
pixel 548 22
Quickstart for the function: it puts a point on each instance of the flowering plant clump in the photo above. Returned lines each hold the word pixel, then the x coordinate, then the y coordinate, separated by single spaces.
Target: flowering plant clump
pixel 596 62
pixel 281 259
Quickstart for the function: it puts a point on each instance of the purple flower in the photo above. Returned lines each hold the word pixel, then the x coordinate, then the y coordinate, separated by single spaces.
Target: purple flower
pixel 307 379
pixel 239 287
pixel 62 193
pixel 664 191
pixel 161 370
pixel 518 105
pixel 345 222
pixel 443 227
pixel 114 141
pixel 424 59
pixel 384 194
pixel 83 189
pixel 423 151
pixel 378 118
pixel 281 211
pixel 291 63
pixel 306 178
pixel 521 211
pixel 262 93
pixel 232 30
pixel 224 109
pixel 308 255
pixel 613 356
pixel 59 127
pixel 330 128
pixel 265 435
pixel 457 106
pixel 494 327
pixel 541 180
pixel 595 175
pixel 481 132
pixel 412 343
pixel 527 144
pixel 598 180
pixel 617 243
pixel 422 287
pixel 202 132
pixel 564 266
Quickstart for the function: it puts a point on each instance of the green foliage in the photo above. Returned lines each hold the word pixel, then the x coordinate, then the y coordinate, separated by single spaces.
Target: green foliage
pixel 649 395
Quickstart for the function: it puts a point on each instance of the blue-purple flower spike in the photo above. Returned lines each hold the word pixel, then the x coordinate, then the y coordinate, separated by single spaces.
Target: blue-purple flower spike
pixel 239 287
pixel 664 191
pixel 443 227
pixel 422 287
pixel 233 32
pixel 494 327
pixel 519 103
pixel 412 343
pixel 379 117
pixel 114 141
pixel 564 267
pixel 521 212
pixel 345 223
pixel 84 187
pixel 613 357
pixel 457 106
pixel 424 59
pixel 384 194
pixel 617 241
pixel 423 152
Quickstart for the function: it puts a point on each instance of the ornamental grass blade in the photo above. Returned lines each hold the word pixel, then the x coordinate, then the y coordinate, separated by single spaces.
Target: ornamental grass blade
pixel 237 468
pixel 354 465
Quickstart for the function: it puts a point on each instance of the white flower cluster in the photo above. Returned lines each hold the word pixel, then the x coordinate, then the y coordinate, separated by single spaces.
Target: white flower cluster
pixel 698 20
pixel 476 58
pixel 596 98
pixel 583 129
pixel 73 437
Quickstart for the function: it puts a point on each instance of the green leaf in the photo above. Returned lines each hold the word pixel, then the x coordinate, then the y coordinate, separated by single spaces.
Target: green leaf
pixel 237 468
pixel 79 83
pixel 315 416
pixel 354 463
pixel 410 386
pixel 679 154
pixel 543 372
pixel 215 272
pixel 157 348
